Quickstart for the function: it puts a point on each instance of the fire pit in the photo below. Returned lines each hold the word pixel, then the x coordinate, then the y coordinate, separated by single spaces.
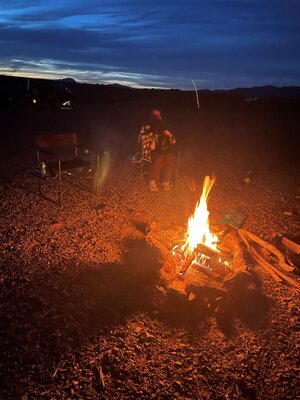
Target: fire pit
pixel 213 267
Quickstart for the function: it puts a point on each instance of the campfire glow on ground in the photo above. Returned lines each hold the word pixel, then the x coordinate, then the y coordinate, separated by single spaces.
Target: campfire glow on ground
pixel 198 233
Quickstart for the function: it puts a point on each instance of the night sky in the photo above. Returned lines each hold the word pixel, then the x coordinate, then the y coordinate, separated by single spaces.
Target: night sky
pixel 167 43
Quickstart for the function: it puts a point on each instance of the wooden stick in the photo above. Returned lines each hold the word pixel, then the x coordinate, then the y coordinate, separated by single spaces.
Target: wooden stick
pixel 261 262
pixel 101 377
pixel 160 246
pixel 295 247
pixel 272 249
pixel 276 273
pixel 279 272
pixel 206 271
pixel 188 261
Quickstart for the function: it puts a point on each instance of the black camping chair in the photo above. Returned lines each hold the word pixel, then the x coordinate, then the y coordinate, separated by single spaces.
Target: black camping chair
pixel 59 155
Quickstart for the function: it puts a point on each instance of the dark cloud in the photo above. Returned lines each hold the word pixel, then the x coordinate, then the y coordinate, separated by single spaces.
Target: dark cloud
pixel 220 43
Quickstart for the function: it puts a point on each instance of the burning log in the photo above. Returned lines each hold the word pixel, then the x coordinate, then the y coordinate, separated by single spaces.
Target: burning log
pixel 218 267
pixel 208 251
pixel 188 261
pixel 206 271
pixel 214 256
pixel 223 249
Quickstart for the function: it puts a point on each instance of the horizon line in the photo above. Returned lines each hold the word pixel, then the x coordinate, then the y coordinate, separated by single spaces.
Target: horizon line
pixel 131 86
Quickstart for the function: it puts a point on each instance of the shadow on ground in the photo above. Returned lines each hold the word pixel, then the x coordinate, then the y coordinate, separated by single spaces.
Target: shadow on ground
pixel 56 317
pixel 106 294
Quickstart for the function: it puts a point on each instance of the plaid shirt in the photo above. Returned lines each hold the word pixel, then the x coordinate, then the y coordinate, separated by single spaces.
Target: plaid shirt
pixel 147 141
pixel 151 140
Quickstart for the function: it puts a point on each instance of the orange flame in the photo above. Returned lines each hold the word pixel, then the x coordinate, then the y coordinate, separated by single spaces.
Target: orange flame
pixel 198 224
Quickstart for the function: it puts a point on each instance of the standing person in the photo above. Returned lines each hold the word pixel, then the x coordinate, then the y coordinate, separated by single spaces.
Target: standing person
pixel 163 155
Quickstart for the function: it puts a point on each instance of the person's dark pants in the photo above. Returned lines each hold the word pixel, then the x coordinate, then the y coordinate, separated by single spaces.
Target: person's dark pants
pixel 163 167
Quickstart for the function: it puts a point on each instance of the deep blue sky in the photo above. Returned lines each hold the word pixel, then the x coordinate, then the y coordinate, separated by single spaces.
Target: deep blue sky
pixel 159 43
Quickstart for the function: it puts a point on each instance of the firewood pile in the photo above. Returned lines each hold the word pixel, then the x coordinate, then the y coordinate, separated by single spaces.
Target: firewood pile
pixel 262 251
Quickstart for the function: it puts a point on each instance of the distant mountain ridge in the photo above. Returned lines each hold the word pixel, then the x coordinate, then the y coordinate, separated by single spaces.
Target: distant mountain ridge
pixel 272 92
pixel 264 92
pixel 67 80
pixel 10 83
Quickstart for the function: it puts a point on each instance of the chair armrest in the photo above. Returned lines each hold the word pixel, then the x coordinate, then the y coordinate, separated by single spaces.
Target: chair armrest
pixel 81 147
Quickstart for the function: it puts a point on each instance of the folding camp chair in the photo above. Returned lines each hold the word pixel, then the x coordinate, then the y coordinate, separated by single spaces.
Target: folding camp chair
pixel 60 155
pixel 142 163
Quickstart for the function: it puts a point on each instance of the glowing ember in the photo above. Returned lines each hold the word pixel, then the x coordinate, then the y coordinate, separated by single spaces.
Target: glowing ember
pixel 198 225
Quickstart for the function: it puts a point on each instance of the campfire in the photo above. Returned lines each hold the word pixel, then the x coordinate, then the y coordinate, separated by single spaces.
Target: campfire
pixel 205 266
pixel 200 248
pixel 215 271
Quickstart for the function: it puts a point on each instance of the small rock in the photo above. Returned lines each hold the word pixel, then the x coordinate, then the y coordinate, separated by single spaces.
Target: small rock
pixel 241 357
pixel 100 207
pixel 247 180
pixel 178 384
pixel 55 227
pixel 178 363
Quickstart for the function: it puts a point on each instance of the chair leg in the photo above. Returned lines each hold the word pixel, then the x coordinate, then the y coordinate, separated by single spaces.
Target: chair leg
pixel 59 183
pixel 38 162
pixel 143 168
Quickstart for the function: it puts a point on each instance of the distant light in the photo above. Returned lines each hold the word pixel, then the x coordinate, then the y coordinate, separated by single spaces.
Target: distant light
pixel 34 101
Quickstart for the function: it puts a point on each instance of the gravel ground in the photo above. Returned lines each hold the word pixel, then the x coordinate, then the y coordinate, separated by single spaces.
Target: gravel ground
pixel 77 322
